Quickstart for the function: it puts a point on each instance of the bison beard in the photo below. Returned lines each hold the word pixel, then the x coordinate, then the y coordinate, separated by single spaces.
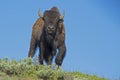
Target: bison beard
pixel 48 43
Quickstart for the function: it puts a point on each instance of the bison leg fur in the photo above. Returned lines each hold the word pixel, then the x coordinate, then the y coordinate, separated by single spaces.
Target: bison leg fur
pixel 32 49
pixel 61 55
pixel 50 57
pixel 41 53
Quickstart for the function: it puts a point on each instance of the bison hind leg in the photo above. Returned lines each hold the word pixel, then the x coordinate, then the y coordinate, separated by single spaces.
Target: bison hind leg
pixel 33 47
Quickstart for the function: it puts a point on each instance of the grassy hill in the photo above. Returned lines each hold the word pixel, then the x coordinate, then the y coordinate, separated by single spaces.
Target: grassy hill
pixel 28 69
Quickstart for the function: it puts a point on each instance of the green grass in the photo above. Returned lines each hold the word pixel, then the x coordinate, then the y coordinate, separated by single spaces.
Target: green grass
pixel 28 69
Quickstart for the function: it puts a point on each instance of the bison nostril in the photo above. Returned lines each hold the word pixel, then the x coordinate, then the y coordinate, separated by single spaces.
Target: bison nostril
pixel 50 28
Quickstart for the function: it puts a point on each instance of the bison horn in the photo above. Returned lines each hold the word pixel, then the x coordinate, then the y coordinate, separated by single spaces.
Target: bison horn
pixel 62 16
pixel 40 14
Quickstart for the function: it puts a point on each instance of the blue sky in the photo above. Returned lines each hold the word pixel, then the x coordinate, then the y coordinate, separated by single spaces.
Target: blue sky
pixel 92 33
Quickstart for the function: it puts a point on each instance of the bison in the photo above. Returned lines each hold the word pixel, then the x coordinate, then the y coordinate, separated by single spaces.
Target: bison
pixel 48 33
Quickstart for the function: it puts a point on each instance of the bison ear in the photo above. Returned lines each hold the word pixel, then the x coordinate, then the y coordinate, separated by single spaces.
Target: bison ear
pixel 61 20
pixel 60 26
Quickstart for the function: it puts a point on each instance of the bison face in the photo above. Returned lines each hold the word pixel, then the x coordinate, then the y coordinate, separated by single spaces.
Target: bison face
pixel 51 19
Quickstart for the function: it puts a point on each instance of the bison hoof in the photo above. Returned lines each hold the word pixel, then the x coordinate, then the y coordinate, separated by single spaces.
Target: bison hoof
pixel 58 62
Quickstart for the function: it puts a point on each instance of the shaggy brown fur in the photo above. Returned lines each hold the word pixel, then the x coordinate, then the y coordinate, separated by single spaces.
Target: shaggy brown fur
pixel 37 30
pixel 48 34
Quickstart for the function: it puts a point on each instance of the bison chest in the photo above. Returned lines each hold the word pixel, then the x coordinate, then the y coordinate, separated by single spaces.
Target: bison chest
pixel 51 44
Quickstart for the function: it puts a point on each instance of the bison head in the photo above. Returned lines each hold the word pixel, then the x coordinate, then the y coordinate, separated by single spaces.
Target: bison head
pixel 51 18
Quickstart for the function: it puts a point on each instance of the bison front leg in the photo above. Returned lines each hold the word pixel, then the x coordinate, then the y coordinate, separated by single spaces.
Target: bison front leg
pixel 49 60
pixel 61 54
pixel 50 56
pixel 32 48
pixel 41 53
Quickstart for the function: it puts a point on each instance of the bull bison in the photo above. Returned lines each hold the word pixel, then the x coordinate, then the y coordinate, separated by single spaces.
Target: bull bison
pixel 48 33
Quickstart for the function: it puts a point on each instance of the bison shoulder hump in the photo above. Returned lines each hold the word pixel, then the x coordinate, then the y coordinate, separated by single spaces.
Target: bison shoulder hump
pixel 37 28
pixel 38 24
